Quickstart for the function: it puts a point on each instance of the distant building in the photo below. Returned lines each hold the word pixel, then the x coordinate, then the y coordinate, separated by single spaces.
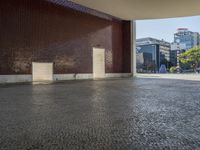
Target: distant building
pixel 149 40
pixel 140 59
pixel 176 48
pixel 183 40
pixel 173 57
pixel 164 52
pixel 189 38
pixel 146 57
pixel 155 52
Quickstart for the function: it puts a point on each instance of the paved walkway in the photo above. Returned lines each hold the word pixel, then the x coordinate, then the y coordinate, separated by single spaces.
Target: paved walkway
pixel 193 77
pixel 124 114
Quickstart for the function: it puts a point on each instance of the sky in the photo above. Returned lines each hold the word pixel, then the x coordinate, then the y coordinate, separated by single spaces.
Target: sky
pixel 165 28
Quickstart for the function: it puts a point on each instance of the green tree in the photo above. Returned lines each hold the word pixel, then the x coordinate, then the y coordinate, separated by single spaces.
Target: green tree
pixel 173 69
pixel 192 57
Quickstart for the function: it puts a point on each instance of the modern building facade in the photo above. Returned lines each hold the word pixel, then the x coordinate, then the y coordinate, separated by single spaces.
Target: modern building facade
pixel 189 38
pixel 61 40
pixel 148 57
pixel 159 50
pixel 176 49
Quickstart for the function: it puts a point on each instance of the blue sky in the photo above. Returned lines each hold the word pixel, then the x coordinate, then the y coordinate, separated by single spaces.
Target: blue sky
pixel 165 28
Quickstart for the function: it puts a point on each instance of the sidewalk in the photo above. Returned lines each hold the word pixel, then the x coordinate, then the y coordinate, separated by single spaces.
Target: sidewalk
pixel 195 77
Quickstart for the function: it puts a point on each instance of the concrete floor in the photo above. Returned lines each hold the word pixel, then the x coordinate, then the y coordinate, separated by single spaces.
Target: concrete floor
pixel 124 114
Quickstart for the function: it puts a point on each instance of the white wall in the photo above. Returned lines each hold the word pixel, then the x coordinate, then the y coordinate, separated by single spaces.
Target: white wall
pixel 58 77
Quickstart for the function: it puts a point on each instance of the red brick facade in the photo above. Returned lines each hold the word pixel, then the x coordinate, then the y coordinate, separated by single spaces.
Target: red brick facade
pixel 42 31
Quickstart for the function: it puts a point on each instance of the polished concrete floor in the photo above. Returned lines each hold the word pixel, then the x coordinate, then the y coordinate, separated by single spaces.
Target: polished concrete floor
pixel 122 114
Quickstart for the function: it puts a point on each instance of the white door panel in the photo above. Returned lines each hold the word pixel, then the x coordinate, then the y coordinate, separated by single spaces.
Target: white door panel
pixel 98 63
pixel 42 71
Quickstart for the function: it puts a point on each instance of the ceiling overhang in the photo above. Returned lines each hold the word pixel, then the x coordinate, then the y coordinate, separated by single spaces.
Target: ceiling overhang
pixel 144 9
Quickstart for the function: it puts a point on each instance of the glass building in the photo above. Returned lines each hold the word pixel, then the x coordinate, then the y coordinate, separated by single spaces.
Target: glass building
pixel 153 52
pixel 150 57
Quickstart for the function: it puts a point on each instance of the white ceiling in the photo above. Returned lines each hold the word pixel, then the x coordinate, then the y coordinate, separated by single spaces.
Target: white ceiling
pixel 144 9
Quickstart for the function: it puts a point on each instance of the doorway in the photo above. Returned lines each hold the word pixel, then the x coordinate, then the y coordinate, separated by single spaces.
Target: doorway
pixel 98 63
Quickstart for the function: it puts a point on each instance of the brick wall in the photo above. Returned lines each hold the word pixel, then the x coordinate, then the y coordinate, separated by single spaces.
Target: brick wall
pixel 43 31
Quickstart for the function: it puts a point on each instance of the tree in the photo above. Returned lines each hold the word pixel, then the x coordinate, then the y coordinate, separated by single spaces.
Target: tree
pixel 173 69
pixel 192 57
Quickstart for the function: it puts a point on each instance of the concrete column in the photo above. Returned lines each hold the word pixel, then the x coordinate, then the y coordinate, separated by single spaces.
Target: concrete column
pixel 133 47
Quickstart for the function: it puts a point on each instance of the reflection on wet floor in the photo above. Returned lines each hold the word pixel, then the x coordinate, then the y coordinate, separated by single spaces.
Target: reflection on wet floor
pixel 140 113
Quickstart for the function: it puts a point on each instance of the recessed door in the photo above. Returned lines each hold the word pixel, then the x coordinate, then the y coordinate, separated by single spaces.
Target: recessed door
pixel 98 63
pixel 42 71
